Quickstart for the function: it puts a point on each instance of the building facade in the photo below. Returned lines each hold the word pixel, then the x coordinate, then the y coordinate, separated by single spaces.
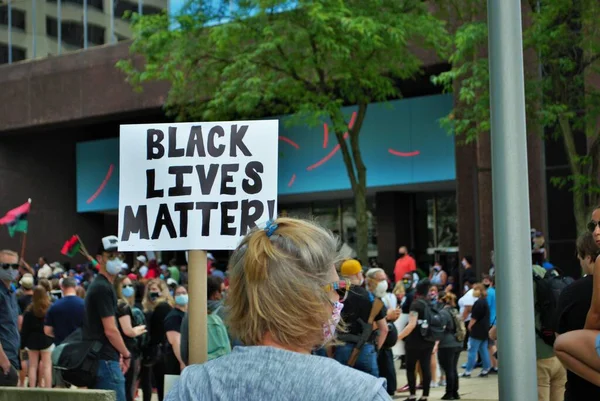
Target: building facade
pixel 59 138
pixel 31 29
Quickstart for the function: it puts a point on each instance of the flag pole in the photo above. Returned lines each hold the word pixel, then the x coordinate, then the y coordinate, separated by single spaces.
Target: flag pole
pixel 24 239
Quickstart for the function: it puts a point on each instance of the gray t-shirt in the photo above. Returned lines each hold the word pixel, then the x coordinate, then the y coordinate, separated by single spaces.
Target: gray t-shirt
pixel 266 373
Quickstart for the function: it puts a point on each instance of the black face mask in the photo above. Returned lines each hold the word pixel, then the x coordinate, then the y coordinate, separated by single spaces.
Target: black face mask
pixel 401 254
pixel 487 285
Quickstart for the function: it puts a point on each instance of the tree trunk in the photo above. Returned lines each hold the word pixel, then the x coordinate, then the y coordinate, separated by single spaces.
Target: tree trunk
pixel 357 173
pixel 362 222
pixel 580 211
pixel 579 204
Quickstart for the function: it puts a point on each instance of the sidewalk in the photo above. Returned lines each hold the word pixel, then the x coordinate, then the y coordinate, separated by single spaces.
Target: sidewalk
pixel 473 389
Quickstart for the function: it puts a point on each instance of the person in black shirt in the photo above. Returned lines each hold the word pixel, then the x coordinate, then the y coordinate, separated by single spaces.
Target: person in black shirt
pixel 468 272
pixel 174 362
pixel 157 304
pixel 572 309
pixel 38 345
pixel 126 295
pixel 418 349
pixel 100 322
pixel 479 326
pixel 358 307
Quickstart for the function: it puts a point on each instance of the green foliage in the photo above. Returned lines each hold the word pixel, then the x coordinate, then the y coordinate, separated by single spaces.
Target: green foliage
pixel 561 103
pixel 308 61
pixel 305 58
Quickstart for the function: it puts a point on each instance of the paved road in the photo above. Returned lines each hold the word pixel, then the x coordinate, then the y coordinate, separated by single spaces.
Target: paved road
pixel 473 389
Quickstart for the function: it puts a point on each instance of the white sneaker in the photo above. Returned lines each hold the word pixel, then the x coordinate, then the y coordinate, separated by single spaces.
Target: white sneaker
pixel 434 385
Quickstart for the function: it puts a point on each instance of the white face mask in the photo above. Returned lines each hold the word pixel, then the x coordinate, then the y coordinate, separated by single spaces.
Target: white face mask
pixel 113 267
pixel 466 288
pixel 381 289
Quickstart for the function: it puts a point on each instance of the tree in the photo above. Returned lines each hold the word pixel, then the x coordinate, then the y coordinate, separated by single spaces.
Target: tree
pixel 562 98
pixel 307 58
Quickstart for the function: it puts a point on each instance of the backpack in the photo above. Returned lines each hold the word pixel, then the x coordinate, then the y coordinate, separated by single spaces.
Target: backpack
pixel 433 324
pixel 458 326
pixel 547 289
pixel 139 319
pixel 76 361
pixel 218 338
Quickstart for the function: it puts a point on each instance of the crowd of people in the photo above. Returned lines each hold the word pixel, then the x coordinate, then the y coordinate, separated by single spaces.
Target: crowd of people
pixel 288 308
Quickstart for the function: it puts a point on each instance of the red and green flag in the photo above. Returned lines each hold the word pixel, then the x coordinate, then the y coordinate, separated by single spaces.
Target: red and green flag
pixel 16 219
pixel 71 247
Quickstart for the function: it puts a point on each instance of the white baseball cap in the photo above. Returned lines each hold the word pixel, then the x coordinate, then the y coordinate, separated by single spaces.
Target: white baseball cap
pixel 142 259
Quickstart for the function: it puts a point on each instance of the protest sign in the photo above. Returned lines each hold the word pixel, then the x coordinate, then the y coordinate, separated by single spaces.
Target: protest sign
pixel 195 185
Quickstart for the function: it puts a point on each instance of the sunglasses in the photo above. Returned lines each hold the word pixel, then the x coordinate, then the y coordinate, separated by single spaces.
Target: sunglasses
pixel 342 287
pixel 6 266
pixel 591 226
pixel 128 286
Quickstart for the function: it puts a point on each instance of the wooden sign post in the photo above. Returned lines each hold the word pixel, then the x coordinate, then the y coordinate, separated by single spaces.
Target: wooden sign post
pixel 195 186
pixel 197 307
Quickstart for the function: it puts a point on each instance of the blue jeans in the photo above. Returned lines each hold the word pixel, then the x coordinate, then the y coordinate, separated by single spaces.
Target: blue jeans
pixel 480 346
pixel 110 377
pixel 367 359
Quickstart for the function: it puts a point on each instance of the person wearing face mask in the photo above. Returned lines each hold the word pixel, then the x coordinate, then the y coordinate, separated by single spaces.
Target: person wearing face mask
pixel 438 276
pixel 465 304
pixel 418 348
pixel 285 300
pixel 409 294
pixel 129 331
pixel 357 308
pixel 377 284
pixel 157 303
pixel 100 322
pixel 173 361
pixel 404 264
pixel 219 342
pixel 10 339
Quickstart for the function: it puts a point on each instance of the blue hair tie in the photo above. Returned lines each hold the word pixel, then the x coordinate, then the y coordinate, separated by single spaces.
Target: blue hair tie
pixel 271 227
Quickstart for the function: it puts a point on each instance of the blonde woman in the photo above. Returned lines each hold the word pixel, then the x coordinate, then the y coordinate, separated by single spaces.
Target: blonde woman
pixel 126 298
pixel 284 299
pixel 157 305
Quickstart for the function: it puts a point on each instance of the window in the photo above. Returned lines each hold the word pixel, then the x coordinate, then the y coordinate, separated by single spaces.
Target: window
pixel 339 217
pixel 17 16
pixel 442 224
pixel 122 6
pixel 349 226
pixel 52 27
pixel 98 4
pixel 95 35
pixel 151 10
pixel 18 53
pixel 72 32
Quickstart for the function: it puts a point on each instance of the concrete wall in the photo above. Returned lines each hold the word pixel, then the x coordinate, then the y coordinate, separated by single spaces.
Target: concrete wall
pixel 38 394
pixel 68 89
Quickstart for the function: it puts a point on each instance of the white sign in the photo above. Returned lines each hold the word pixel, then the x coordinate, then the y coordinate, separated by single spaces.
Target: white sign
pixel 195 185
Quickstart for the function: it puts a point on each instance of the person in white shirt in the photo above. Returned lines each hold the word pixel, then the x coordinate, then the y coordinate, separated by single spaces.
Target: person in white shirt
pixel 142 268
pixel 45 270
pixel 466 302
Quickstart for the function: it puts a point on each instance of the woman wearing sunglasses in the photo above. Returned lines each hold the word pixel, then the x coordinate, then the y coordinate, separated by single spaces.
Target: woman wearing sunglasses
pixel 579 351
pixel 126 299
pixel 283 302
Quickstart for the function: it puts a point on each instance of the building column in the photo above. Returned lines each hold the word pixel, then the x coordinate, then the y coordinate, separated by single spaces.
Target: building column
pixel 394 226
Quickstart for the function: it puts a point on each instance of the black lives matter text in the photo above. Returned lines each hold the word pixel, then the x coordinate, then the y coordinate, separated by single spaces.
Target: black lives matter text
pixel 213 178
